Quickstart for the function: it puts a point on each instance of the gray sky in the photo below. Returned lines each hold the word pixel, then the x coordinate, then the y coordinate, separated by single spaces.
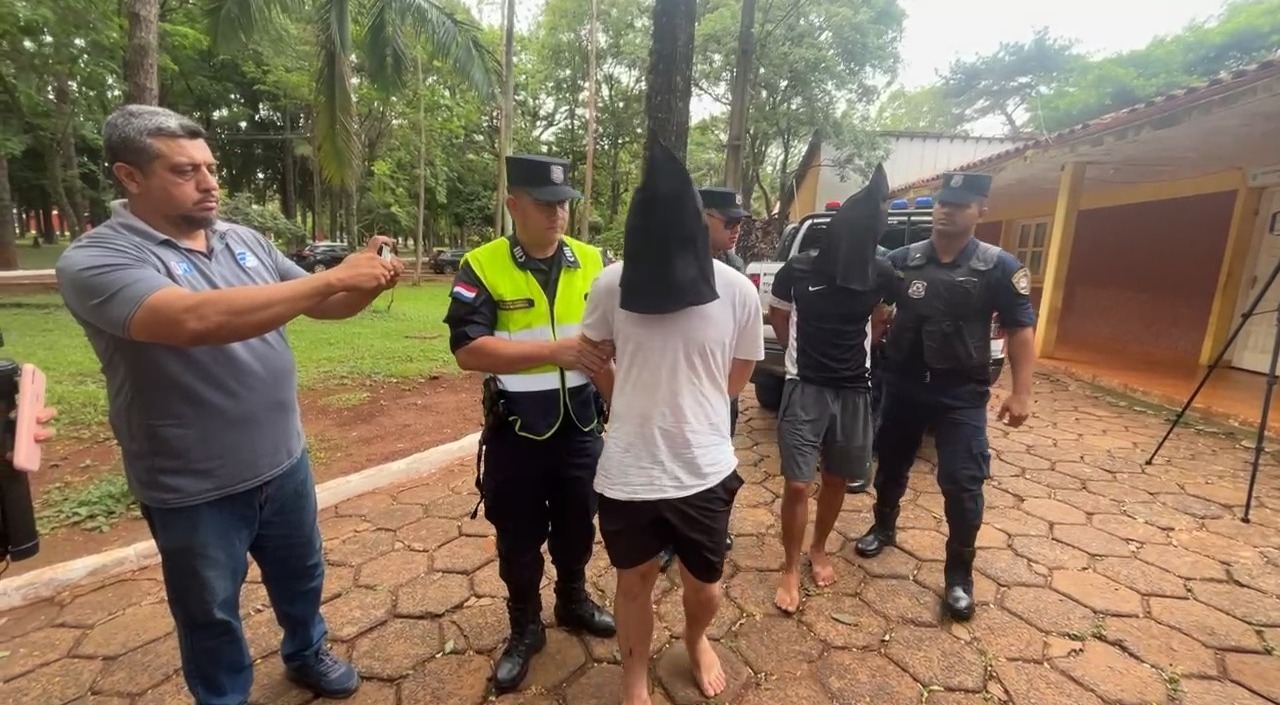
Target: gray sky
pixel 939 31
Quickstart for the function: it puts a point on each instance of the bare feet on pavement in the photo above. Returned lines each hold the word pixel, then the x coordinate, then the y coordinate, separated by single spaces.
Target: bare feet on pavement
pixel 824 573
pixel 788 597
pixel 707 671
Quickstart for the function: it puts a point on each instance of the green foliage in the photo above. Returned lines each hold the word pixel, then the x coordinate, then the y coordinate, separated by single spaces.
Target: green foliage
pixel 266 219
pixel 93 506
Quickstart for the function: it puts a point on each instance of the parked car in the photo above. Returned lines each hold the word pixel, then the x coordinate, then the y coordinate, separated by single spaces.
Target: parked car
pixel 448 261
pixel 319 256
pixel 908 223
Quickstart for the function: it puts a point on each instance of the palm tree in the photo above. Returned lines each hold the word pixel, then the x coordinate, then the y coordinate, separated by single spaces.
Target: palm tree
pixel 386 28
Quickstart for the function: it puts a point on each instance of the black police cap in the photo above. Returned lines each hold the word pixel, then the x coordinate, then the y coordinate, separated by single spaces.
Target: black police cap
pixel 963 187
pixel 725 201
pixel 544 178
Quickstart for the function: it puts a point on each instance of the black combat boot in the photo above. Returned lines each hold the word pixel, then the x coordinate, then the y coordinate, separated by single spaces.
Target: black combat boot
pixel 958 593
pixel 880 535
pixel 577 612
pixel 528 637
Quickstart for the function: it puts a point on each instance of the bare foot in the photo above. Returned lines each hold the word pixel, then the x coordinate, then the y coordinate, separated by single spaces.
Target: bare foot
pixel 706 669
pixel 824 574
pixel 788 597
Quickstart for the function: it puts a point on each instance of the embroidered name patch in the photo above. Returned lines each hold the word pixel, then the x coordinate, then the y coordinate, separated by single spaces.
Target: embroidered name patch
pixel 515 304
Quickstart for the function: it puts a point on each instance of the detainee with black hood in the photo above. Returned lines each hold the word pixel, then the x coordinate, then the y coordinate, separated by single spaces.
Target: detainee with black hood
pixel 686 331
pixel 821 312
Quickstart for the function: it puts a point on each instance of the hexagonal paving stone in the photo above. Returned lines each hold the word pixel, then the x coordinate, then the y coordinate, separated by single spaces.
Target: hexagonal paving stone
pixel 1141 577
pixel 1097 593
pixel 892 563
pixel 1054 480
pixel 563 656
pixel 1113 676
pixel 428 534
pixel 452 506
pixel 1130 529
pixel 779 645
pixel 1196 691
pixel 1049 553
pixel 792 690
pixel 1004 636
pixel 1193 506
pixel 1263 578
pixel 394 569
pixel 1161 647
pixel 1048 611
pixel 1092 541
pixel 863 678
pixel 843 621
pixel 363 504
pixel 602 683
pixel 27 653
pixel 59 682
pixel 141 670
pixel 395 516
pixel 361 548
pixel 1016 523
pixel 1242 603
pixel 1008 569
pixel 1182 563
pixel 936 658
pixel 676 676
pixel 753 591
pixel 337 528
pixel 484 624
pixel 1159 515
pixel 394 649
pixel 127 631
pixel 1081 471
pixel 356 612
pixel 1087 502
pixel 1035 684
pixel 902 601
pixel 752 521
pixel 1217 547
pixel 456 679
pixel 464 555
pixel 1053 511
pixel 432 595
pixel 923 545
pixel 1205 624
pixel 757 553
pixel 92 608
pixel 1256 672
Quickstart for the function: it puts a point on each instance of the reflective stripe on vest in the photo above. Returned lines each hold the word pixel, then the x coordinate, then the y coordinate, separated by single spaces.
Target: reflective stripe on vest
pixel 527 315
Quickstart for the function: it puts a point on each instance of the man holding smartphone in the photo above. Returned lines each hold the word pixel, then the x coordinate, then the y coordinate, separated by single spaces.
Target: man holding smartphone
pixel 186 313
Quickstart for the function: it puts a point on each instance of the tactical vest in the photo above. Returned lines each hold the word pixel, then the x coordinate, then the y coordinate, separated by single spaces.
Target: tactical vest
pixel 535 400
pixel 944 308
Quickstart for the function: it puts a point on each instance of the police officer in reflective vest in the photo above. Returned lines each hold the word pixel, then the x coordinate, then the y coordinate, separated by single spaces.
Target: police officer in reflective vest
pixel 514 314
pixel 937 373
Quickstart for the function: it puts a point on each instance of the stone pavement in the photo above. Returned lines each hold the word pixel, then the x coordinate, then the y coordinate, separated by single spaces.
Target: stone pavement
pixel 1100 581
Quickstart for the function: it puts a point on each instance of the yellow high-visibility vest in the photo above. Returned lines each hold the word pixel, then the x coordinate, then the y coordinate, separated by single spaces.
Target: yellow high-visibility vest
pixel 537 397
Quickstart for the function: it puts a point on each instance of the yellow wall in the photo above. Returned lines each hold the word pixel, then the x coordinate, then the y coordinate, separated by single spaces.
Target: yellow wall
pixel 806 200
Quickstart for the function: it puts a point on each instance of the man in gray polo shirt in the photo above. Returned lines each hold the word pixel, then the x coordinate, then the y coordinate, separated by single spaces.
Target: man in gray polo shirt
pixel 186 313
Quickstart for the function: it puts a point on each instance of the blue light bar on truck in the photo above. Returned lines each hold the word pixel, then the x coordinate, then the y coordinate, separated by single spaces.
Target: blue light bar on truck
pixel 900 204
pixel 924 202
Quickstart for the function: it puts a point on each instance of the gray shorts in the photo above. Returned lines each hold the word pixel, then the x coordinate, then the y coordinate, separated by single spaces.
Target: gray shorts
pixel 834 424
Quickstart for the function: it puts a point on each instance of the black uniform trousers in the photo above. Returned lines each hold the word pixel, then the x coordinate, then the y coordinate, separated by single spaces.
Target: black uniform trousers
pixel 536 492
pixel 957 413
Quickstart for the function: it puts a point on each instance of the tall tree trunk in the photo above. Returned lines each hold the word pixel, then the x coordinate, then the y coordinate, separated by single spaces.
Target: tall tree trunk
pixel 584 218
pixel 8 228
pixel 669 87
pixel 53 176
pixel 289 189
pixel 505 123
pixel 422 179
pixel 142 56
pixel 740 102
pixel 68 166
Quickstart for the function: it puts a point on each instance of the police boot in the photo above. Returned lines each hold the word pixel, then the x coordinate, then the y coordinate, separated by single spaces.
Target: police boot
pixel 577 612
pixel 881 534
pixel 958 593
pixel 528 637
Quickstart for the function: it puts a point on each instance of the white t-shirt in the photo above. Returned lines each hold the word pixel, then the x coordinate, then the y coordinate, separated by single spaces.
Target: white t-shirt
pixel 668 433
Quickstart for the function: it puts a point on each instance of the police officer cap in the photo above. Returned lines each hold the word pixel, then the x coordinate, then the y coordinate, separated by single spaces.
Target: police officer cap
pixel 724 201
pixel 543 178
pixel 964 188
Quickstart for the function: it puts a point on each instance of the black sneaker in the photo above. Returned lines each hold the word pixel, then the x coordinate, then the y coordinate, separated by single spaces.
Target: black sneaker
pixel 327 676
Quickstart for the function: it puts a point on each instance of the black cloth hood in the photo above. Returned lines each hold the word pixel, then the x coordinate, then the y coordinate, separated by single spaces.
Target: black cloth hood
pixel 848 252
pixel 666 248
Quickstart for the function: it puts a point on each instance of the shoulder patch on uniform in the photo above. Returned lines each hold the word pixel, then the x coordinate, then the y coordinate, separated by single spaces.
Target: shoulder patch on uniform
pixel 916 289
pixel 1022 281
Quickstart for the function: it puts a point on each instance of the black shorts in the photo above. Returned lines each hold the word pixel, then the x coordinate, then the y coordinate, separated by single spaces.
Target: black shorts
pixel 696 527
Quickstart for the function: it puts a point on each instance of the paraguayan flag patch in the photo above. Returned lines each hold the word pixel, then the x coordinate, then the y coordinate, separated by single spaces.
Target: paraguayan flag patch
pixel 464 291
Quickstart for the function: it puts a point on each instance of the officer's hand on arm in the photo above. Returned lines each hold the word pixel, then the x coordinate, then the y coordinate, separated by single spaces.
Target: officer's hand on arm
pixel 594 357
pixel 1018 318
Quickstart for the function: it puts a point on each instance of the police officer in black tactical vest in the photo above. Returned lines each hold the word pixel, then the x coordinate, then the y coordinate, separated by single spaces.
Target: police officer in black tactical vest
pixel 936 373
pixel 514 314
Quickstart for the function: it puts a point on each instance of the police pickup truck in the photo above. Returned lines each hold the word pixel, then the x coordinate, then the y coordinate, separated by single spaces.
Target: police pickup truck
pixel 909 222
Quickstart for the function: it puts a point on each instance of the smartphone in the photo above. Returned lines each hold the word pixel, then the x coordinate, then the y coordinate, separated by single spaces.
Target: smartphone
pixel 31 388
pixel 384 251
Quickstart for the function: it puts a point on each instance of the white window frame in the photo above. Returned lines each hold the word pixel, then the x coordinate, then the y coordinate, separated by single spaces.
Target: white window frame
pixel 1024 252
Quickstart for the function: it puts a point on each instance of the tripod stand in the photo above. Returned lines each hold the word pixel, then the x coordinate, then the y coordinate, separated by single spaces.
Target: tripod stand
pixel 1266 398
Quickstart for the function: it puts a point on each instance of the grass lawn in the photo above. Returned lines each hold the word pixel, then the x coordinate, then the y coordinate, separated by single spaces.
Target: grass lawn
pixel 407 341
pixel 42 257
